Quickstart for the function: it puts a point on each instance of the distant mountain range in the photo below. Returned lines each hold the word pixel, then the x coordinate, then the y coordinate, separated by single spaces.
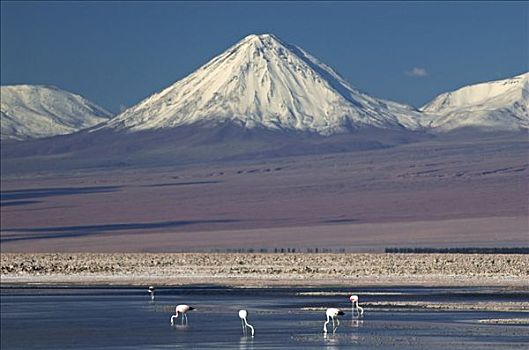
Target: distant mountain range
pixel 264 84
pixel 494 105
pixel 34 111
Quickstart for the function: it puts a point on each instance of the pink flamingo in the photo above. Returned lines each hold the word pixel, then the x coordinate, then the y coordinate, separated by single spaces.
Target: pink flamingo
pixel 151 292
pixel 243 314
pixel 181 309
pixel 355 307
pixel 332 314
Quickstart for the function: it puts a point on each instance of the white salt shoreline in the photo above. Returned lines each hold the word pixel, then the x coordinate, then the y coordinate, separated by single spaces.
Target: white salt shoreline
pixel 239 269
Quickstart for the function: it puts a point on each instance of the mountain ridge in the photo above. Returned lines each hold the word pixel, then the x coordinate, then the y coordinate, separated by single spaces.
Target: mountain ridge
pixel 493 105
pixel 36 111
pixel 264 84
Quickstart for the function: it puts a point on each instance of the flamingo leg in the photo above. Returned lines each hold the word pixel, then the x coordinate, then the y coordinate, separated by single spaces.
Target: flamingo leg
pixel 325 325
pixel 243 327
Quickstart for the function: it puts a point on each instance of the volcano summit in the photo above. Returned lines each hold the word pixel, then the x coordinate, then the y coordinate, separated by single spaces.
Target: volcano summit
pixel 262 82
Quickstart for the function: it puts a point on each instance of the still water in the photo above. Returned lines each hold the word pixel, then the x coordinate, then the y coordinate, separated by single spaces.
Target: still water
pixel 284 318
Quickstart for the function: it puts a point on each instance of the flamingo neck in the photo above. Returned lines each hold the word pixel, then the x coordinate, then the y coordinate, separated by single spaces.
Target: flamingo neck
pixel 249 325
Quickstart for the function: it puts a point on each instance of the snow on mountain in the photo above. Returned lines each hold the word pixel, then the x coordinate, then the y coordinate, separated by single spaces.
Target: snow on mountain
pixel 495 105
pixel 262 82
pixel 34 111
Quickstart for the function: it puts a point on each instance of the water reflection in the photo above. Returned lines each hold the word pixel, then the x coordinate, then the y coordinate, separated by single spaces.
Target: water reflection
pixel 357 323
pixel 246 343
pixel 331 341
pixel 181 326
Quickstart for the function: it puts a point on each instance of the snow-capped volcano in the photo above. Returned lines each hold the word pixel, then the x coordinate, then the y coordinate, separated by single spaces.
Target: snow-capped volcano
pixel 262 82
pixel 34 111
pixel 495 105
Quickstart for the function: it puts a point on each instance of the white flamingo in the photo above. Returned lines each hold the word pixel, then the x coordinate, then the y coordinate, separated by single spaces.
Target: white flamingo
pixel 151 292
pixel 355 307
pixel 243 314
pixel 332 314
pixel 181 309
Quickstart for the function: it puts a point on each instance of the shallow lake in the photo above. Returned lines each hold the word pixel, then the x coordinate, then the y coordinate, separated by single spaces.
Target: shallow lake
pixel 126 318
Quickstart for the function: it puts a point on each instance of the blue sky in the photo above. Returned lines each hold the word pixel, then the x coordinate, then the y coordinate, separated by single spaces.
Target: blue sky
pixel 117 53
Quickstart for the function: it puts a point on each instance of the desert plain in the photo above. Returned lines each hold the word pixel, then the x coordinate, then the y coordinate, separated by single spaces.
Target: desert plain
pixel 430 194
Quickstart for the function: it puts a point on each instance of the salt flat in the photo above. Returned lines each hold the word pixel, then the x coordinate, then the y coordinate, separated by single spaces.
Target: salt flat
pixel 258 269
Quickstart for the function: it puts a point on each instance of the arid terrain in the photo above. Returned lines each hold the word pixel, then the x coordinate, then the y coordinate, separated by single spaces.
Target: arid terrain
pixel 428 194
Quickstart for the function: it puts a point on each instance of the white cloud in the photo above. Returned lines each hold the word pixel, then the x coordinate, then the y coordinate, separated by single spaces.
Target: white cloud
pixel 417 72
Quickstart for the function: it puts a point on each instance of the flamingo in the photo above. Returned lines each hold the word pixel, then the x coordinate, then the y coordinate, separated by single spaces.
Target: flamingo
pixel 151 291
pixel 181 309
pixel 243 314
pixel 332 314
pixel 355 306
